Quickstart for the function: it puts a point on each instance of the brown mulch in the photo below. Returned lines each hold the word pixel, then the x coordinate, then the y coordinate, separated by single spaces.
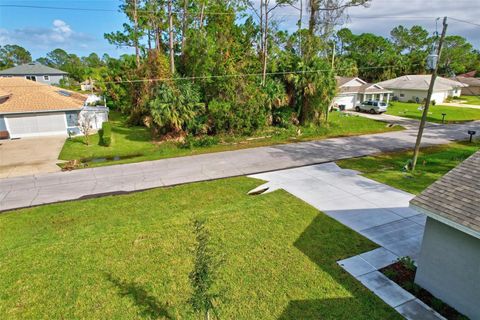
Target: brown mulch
pixel 405 277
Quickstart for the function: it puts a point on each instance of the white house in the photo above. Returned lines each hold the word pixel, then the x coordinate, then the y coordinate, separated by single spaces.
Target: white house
pixel 414 88
pixel 29 109
pixel 353 91
pixel 36 72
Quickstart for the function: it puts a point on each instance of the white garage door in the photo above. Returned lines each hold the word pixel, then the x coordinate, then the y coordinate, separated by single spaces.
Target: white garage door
pixel 31 125
pixel 348 101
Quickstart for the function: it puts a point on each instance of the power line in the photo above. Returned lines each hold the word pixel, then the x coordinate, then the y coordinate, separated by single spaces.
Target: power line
pixel 140 12
pixel 239 75
pixel 465 21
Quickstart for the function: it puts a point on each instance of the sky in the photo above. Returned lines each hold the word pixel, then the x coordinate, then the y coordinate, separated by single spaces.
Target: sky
pixel 81 32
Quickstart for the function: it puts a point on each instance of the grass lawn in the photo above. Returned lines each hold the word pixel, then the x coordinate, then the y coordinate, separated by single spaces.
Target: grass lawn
pixel 128 257
pixel 432 164
pixel 134 144
pixel 453 114
pixel 475 100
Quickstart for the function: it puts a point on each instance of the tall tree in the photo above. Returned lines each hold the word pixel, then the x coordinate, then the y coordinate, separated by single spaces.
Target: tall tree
pixel 326 14
pixel 13 55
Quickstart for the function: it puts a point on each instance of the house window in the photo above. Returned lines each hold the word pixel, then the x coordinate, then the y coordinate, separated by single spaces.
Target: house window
pixel 33 78
pixel 402 95
pixel 72 119
pixel 46 78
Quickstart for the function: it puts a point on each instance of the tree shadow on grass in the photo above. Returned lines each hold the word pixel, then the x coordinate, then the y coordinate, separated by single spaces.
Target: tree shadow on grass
pixel 325 242
pixel 150 307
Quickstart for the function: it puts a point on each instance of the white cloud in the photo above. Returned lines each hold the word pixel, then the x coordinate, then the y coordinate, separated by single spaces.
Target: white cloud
pixel 60 34
pixel 376 18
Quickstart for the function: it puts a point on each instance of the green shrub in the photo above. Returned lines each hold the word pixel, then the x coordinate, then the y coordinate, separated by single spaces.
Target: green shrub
pixel 201 142
pixel 105 134
pixel 408 263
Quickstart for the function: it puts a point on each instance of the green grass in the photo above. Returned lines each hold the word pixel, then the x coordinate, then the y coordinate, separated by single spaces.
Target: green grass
pixel 128 257
pixel 135 144
pixel 453 114
pixel 475 100
pixel 432 164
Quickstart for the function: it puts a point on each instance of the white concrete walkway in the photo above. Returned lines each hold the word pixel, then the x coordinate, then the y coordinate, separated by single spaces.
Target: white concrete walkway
pixel 377 211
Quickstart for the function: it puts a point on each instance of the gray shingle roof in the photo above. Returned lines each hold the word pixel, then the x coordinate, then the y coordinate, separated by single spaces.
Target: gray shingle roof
pixel 420 82
pixel 33 68
pixel 455 198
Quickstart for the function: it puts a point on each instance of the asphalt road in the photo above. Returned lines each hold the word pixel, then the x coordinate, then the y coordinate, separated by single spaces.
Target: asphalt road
pixel 40 189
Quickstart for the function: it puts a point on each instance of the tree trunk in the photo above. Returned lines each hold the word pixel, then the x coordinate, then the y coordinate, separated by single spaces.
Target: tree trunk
pixel 261 27
pixel 157 37
pixel 135 26
pixel 313 12
pixel 202 14
pixel 170 31
pixel 184 26
pixel 265 46
pixel 300 28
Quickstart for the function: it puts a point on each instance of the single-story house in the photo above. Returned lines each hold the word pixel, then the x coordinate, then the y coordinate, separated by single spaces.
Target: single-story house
pixel 473 88
pixel 353 91
pixel 415 88
pixel 449 261
pixel 36 72
pixel 29 109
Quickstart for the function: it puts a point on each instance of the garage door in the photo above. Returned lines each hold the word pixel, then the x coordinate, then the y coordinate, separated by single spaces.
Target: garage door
pixel 348 101
pixel 29 125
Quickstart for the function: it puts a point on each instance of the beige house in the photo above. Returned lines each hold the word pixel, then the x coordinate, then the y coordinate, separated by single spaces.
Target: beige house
pixel 30 109
pixel 352 91
pixel 415 88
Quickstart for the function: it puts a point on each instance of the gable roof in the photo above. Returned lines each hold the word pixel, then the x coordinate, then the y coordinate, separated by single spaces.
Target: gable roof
pixel 364 86
pixel 32 68
pixel 455 198
pixel 470 74
pixel 421 82
pixel 472 82
pixel 29 96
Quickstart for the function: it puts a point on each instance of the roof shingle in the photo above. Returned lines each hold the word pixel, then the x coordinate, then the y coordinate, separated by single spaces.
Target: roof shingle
pixel 455 197
pixel 30 96
pixel 33 68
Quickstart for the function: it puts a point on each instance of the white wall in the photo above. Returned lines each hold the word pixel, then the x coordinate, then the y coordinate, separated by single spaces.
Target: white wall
pixel 449 267
pixel 438 96
pixel 349 100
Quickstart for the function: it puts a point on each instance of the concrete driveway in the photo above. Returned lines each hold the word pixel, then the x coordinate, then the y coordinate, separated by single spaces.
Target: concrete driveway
pixel 375 210
pixel 29 156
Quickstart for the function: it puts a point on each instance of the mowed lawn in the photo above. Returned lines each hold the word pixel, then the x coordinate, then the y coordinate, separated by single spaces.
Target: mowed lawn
pixel 453 114
pixel 134 144
pixel 432 164
pixel 474 100
pixel 128 257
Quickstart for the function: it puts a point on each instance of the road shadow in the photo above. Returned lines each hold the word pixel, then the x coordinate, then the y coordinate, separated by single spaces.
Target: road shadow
pixel 150 307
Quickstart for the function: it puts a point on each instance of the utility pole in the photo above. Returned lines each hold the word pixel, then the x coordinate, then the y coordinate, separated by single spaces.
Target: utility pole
pixel 429 96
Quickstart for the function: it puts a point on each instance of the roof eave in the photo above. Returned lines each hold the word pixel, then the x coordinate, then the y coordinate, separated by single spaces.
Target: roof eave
pixel 42 111
pixel 446 221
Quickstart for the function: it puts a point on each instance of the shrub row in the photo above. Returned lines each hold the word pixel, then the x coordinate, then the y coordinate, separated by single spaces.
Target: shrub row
pixel 105 134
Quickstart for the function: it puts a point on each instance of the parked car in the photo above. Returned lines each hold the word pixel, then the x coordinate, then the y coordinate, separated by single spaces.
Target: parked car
pixel 372 107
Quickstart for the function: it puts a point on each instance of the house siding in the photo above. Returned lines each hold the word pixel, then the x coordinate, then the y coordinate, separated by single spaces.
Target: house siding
pixel 449 267
pixel 53 79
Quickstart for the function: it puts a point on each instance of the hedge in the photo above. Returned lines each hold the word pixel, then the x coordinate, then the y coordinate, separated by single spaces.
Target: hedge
pixel 105 134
